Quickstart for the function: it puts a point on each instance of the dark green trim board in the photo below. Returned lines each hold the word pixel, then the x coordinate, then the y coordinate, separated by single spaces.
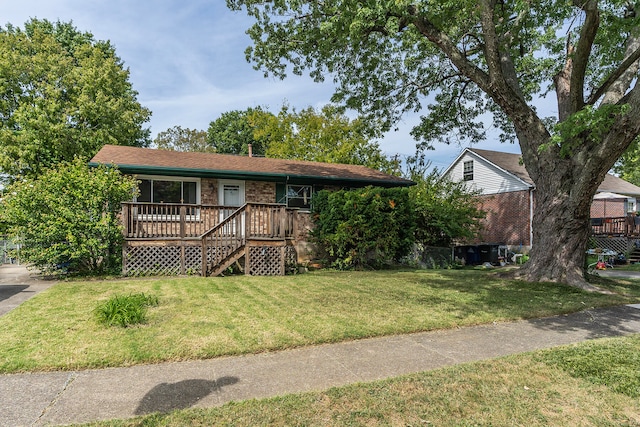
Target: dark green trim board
pixel 256 176
pixel 281 192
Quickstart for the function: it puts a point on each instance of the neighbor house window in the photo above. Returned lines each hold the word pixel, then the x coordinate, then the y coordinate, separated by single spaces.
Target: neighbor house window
pixel 168 190
pixel 467 171
pixel 299 196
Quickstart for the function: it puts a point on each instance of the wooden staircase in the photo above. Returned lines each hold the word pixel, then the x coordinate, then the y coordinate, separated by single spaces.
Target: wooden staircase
pixel 634 256
pixel 258 233
pixel 224 244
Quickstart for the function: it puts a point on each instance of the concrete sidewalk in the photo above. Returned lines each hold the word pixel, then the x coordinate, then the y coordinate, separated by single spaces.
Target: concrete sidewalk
pixel 74 397
pixel 17 284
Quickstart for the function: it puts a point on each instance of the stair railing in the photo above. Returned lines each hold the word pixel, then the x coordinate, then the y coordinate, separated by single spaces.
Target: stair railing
pixel 224 239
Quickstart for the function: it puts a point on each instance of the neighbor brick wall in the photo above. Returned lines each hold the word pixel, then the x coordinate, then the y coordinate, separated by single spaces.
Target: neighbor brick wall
pixel 507 219
pixel 608 208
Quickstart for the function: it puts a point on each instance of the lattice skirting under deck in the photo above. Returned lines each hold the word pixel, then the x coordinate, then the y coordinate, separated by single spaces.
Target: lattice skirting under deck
pixel 618 244
pixel 174 259
pixel 272 260
pixel 158 259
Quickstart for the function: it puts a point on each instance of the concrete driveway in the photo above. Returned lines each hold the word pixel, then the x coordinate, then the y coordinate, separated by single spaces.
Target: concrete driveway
pixel 18 284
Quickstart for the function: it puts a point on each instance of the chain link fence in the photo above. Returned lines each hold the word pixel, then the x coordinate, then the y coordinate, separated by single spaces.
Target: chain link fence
pixel 430 257
pixel 9 251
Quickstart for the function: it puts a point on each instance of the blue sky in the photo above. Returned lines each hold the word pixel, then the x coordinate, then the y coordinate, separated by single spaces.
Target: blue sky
pixel 187 63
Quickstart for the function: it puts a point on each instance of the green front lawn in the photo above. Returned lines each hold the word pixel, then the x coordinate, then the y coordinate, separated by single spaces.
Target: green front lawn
pixel 210 317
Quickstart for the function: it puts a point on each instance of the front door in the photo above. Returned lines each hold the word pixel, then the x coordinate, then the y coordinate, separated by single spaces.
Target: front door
pixel 231 197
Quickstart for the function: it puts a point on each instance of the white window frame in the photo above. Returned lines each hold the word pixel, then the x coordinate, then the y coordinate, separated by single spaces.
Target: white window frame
pixel 189 217
pixel 287 198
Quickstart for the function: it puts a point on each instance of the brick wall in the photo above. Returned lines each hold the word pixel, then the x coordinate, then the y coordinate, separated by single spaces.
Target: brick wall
pixel 255 191
pixel 260 192
pixel 209 191
pixel 507 219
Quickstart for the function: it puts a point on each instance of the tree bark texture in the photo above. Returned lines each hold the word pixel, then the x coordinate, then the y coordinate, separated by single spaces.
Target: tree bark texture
pixel 566 179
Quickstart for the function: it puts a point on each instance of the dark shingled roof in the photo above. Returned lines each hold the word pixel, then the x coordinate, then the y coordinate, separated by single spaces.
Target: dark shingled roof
pixel 161 162
pixel 508 161
pixel 512 163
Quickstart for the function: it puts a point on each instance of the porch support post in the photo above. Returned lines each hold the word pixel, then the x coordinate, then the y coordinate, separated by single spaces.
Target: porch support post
pixel 125 219
pixel 124 258
pixel 247 259
pixel 283 222
pixel 203 272
pixel 247 222
pixel 183 214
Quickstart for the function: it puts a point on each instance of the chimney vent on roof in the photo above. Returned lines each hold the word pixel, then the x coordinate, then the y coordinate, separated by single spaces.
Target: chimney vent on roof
pixel 250 146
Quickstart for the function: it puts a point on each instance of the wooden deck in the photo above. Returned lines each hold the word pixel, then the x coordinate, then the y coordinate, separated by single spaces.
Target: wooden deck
pixel 206 239
pixel 628 226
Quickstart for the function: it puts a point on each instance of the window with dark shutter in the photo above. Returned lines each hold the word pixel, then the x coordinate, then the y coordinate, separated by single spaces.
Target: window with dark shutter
pixel 467 171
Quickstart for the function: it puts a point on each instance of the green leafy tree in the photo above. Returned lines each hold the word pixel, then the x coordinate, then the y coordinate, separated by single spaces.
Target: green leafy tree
pixel 68 217
pixel 457 61
pixel 320 136
pixel 62 95
pixel 365 228
pixel 444 210
pixel 233 131
pixel 628 166
pixel 178 139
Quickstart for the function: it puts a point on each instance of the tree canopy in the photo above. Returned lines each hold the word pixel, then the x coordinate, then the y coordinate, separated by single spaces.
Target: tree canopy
pixel 320 136
pixel 232 132
pixel 179 139
pixel 628 166
pixel 62 94
pixel 457 61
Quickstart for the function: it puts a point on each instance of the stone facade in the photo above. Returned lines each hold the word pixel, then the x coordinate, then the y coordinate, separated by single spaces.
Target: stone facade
pixel 255 192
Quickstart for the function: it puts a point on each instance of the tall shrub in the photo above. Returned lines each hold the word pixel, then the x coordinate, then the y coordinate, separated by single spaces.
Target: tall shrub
pixel 369 227
pixel 67 218
pixel 444 210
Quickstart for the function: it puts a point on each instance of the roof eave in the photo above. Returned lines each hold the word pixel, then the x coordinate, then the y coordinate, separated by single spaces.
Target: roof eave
pixel 255 176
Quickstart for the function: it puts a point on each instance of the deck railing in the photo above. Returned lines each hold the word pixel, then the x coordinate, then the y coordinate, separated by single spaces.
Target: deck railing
pixel 180 221
pixel 617 226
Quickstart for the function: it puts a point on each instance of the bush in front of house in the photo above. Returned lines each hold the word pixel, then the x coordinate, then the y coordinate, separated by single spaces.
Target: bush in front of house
pixel 364 228
pixel 445 211
pixel 125 310
pixel 67 218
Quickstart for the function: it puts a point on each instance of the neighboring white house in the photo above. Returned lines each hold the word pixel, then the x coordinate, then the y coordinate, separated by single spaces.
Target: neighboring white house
pixel 508 197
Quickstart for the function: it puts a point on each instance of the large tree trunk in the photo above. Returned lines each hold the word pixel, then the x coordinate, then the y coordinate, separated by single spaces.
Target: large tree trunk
pixel 565 186
pixel 561 226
